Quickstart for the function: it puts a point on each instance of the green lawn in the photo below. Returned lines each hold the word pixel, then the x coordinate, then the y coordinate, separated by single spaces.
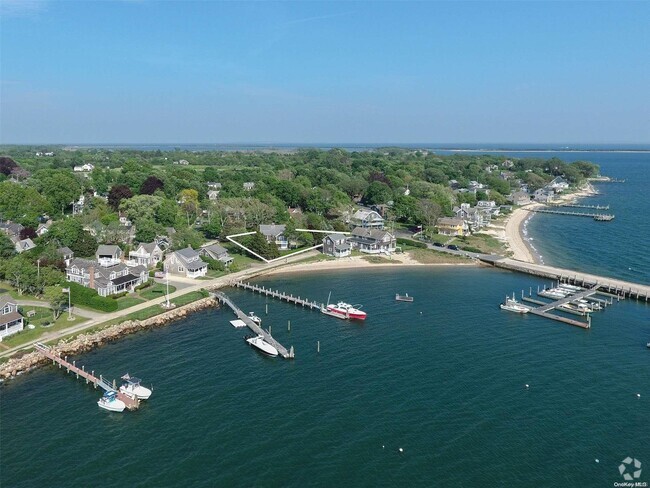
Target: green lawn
pixel 485 243
pixel 128 301
pixel 429 256
pixel 7 289
pixel 156 291
pixel 32 334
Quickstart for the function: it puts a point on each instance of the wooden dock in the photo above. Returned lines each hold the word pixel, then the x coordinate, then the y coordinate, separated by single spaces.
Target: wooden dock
pixel 303 302
pixel 286 354
pixel 130 402
pixel 594 216
pixel 576 205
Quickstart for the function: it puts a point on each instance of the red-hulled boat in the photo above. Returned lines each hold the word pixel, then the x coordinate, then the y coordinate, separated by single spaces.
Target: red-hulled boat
pixel 344 310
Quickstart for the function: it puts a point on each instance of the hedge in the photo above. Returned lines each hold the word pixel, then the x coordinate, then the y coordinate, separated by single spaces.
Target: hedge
pixel 409 242
pixel 80 295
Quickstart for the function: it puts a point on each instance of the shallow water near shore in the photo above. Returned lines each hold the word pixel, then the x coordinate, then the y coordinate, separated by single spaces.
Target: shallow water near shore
pixel 442 378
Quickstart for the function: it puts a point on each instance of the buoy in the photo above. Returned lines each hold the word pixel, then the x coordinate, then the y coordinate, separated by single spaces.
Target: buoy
pixel 638 395
pixel 401 450
pixel 597 460
pixel 527 386
pixel 382 446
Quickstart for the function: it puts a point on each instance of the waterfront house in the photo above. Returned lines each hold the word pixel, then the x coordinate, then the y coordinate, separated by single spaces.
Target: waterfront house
pixel 249 186
pixel 544 195
pixel 11 321
pixel 275 234
pixel 367 219
pixel 336 245
pixel 372 241
pixel 146 254
pixel 558 185
pixel 216 252
pixel 105 280
pixel 520 198
pixel 452 226
pixel 474 216
pixel 185 262
pixel 23 245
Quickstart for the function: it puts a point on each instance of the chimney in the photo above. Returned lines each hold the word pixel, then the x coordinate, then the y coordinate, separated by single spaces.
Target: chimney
pixel 91 283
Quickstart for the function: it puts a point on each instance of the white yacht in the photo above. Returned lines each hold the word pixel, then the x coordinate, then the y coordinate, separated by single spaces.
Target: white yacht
pixel 132 387
pixel 254 318
pixel 110 402
pixel 512 305
pixel 263 346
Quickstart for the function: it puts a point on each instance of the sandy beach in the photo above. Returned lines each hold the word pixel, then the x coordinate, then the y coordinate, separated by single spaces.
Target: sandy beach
pixel 358 262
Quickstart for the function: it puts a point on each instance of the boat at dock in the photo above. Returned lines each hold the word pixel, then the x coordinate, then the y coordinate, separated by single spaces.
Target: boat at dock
pixel 512 305
pixel 344 310
pixel 403 298
pixel 110 402
pixel 132 387
pixel 260 344
pixel 254 318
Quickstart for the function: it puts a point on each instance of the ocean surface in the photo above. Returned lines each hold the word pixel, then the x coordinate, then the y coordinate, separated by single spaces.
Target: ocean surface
pixel 442 378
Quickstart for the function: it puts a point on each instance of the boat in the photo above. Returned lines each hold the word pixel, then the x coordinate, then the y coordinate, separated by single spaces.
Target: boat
pixel 132 387
pixel 263 346
pixel 254 318
pixel 512 305
pixel 110 402
pixel 343 310
pixel 403 298
pixel 648 345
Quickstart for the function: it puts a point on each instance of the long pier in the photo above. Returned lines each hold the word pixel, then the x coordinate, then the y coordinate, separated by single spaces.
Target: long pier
pixel 286 354
pixel 130 402
pixel 574 214
pixel 304 302
pixel 606 286
pixel 577 205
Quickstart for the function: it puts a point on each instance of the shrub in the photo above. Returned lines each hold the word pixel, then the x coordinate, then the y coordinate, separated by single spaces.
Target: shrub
pixel 80 295
pixel 144 285
pixel 471 249
pixel 409 242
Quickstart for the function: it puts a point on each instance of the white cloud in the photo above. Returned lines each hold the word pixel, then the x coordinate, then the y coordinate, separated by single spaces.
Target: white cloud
pixel 22 8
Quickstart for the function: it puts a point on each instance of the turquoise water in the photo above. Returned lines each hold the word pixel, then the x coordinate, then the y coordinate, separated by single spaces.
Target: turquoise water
pixel 443 378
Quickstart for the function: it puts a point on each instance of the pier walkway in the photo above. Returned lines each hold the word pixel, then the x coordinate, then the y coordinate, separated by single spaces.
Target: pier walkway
pixel 279 295
pixel 575 214
pixel 130 402
pixel 223 298
pixel 576 205
pixel 618 288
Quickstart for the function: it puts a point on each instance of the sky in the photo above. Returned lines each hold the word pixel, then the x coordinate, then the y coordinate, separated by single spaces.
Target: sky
pixel 139 71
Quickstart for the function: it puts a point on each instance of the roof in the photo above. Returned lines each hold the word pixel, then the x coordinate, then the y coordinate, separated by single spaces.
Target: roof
pixel 450 221
pixel 65 251
pixel 272 230
pixel 9 317
pixel 372 234
pixel 127 278
pixel 104 249
pixel 335 237
pixel 215 249
pixel 82 263
pixel 4 299
pixel 194 265
pixel 187 253
pixel 365 214
pixel 147 246
pixel 26 244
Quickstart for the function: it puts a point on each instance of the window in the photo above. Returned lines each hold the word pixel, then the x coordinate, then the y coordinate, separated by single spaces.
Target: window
pixel 181 269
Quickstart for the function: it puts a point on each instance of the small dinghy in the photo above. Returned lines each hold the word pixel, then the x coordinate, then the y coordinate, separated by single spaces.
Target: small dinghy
pixel 403 298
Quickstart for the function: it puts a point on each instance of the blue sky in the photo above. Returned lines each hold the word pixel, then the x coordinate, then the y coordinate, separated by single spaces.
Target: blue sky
pixel 181 72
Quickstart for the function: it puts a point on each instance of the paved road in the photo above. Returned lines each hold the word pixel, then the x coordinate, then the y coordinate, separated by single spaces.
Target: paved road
pixel 105 317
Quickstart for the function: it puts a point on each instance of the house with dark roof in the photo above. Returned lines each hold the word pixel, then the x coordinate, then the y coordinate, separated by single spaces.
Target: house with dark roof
pixel 275 234
pixel 12 229
pixel 185 262
pixel 216 252
pixel 336 245
pixel 11 321
pixel 372 241
pixel 146 254
pixel 106 280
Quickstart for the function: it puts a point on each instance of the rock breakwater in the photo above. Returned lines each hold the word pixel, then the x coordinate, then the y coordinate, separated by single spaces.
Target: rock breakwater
pixel 85 342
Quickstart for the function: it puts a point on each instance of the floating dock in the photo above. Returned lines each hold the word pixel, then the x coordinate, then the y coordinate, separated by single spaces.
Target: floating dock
pixel 303 302
pixel 130 402
pixel 223 298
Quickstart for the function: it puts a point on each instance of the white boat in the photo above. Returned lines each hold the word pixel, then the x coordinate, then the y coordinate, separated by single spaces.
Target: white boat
pixel 403 298
pixel 512 305
pixel 132 387
pixel 254 318
pixel 573 288
pixel 552 294
pixel 110 402
pixel 259 343
pixel 343 310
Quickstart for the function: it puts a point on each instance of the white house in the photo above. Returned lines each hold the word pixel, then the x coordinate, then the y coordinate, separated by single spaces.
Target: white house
pixel 146 254
pixel 558 185
pixel 108 255
pixel 367 219
pixel 249 185
pixel 84 168
pixel 24 245
pixel 185 262
pixel 213 194
pixel 10 319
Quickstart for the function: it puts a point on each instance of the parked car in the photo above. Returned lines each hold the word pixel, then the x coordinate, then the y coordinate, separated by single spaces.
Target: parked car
pixel 453 247
pixel 438 244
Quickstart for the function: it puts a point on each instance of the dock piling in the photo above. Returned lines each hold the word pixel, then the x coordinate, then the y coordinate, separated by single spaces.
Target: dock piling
pixel 318 346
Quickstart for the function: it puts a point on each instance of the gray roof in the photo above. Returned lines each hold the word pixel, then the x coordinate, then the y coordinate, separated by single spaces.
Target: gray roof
pixel 335 237
pixel 272 230
pixel 106 272
pixel 26 244
pixel 138 270
pixel 4 299
pixel 147 246
pixel 82 263
pixel 105 249
pixel 374 234
pixel 187 253
pixel 194 265
pixel 215 249
pixel 65 251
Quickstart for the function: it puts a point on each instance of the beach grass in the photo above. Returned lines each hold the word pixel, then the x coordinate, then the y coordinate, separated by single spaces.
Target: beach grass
pixel 429 256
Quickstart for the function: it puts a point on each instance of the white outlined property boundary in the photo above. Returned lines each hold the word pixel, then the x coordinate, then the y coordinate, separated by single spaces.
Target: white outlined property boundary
pixel 231 239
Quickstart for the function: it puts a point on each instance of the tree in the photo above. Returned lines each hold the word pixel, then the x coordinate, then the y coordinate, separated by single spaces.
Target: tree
pixel 59 187
pixel 21 274
pixel 7 165
pixel 28 233
pixel 141 207
pixel 430 212
pixel 57 300
pixel 117 194
pixel 7 248
pixel 147 230
pixel 167 213
pixel 189 203
pixel 23 204
pixel 378 192
pixel 259 245
pixel 70 232
pixel 150 185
